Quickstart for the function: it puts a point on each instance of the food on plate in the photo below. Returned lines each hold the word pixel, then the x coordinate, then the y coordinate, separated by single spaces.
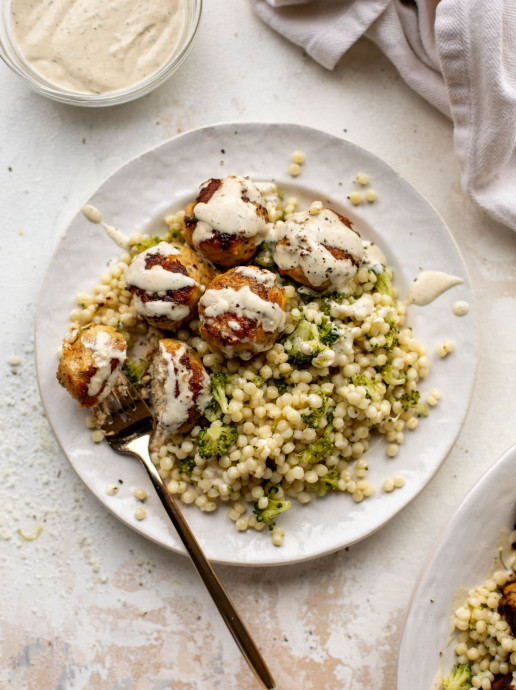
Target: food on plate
pixel 242 312
pixel 167 281
pixel 90 362
pixel 271 393
pixel 180 386
pixel 485 631
pixel 321 251
pixel 227 221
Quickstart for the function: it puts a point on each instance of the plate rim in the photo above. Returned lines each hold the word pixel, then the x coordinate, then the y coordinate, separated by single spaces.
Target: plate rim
pixel 314 130
pixel 442 539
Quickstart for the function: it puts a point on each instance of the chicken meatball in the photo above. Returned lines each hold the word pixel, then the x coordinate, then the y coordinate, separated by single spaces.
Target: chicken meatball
pixel 503 683
pixel 90 364
pixel 321 251
pixel 167 282
pixel 507 606
pixel 242 312
pixel 180 386
pixel 227 221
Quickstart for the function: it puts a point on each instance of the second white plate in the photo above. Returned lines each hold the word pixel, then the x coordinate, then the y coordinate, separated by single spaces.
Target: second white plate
pixel 462 559
pixel 413 236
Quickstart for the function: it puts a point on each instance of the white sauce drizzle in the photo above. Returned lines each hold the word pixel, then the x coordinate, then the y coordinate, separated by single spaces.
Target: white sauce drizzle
pixel 178 394
pixel 103 352
pixel 373 254
pixel 429 285
pixel 461 308
pixel 243 303
pixel 227 212
pixel 360 309
pixel 94 216
pixel 94 46
pixel 159 308
pixel 305 236
pixel 262 276
pixel 157 281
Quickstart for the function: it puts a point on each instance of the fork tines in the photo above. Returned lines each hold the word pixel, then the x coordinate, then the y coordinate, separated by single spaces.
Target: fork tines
pixel 122 411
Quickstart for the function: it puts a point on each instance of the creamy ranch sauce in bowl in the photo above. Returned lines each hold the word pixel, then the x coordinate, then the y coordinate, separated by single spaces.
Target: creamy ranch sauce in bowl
pixel 93 52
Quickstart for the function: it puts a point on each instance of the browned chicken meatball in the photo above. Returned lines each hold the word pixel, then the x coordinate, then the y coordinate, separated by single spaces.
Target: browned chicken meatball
pixel 90 364
pixel 507 605
pixel 180 386
pixel 167 282
pixel 227 221
pixel 243 312
pixel 320 251
pixel 503 683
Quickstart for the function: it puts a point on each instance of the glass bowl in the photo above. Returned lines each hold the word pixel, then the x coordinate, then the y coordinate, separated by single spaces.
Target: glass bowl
pixel 11 55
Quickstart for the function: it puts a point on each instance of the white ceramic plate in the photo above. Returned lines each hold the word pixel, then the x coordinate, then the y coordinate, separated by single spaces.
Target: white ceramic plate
pixel 412 235
pixel 462 559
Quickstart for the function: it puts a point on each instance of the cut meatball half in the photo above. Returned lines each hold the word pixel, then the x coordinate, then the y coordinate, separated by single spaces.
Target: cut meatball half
pixel 180 386
pixel 90 363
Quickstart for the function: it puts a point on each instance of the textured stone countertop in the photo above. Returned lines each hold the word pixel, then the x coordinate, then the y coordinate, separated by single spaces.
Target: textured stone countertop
pixel 90 604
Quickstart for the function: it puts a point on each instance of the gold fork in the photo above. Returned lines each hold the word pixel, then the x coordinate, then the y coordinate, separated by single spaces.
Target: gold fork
pixel 128 426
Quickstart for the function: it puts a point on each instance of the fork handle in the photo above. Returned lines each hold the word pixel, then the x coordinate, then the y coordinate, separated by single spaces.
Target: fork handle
pixel 251 653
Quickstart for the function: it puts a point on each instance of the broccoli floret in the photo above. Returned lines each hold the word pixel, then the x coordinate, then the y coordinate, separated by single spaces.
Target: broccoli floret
pixel 274 508
pixel 391 319
pixel 134 371
pixel 186 466
pixel 212 410
pixel 337 297
pixel 459 678
pixel 218 404
pixel 216 439
pixel 218 390
pixel 149 242
pixel 383 282
pixel 319 449
pixel 375 390
pixel 329 333
pixel 304 343
pixel 390 339
pixel 308 340
pixel 263 256
pixel 313 418
pixel 411 400
pixel 281 385
pixel 389 378
pixel 329 481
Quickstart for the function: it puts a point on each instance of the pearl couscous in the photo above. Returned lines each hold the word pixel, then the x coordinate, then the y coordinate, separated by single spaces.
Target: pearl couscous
pixel 301 430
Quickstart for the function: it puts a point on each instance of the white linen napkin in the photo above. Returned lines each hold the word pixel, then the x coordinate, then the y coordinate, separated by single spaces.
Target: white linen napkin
pixel 458 54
